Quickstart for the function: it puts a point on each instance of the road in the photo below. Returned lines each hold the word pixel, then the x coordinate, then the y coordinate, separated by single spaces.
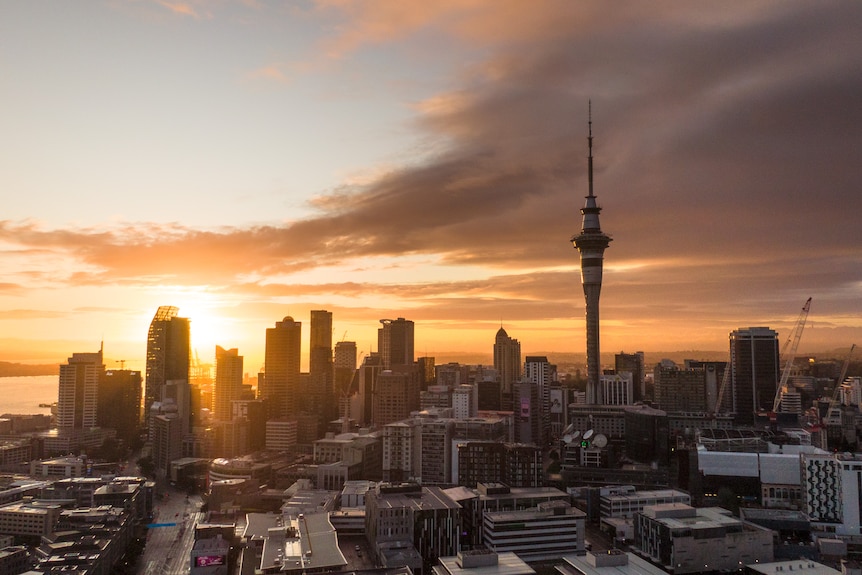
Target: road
pixel 168 547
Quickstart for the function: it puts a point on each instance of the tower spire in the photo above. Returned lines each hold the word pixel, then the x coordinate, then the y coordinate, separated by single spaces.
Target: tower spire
pixel 590 143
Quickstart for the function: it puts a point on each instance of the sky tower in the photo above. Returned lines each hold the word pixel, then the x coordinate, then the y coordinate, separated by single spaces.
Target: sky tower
pixel 591 244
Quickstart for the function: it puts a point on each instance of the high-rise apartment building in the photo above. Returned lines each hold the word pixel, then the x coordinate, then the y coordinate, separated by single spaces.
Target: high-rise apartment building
pixel 119 405
pixel 321 394
pixel 168 348
pixel 507 360
pixel 591 244
pixel 228 381
pixel 679 390
pixel 280 384
pixel 395 342
pixel 396 395
pixel 754 371
pixel 427 370
pixel 532 400
pixel 345 355
pixel 78 394
pixel 634 364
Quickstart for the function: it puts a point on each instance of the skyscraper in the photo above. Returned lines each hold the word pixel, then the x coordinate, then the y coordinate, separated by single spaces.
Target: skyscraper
pixel 120 403
pixel 634 364
pixel 507 359
pixel 754 371
pixel 167 353
pixel 395 342
pixel 228 381
pixel 320 368
pixel 280 385
pixel 78 393
pixel 591 243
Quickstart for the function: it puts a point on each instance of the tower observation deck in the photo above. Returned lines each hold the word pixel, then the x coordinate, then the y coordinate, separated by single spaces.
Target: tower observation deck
pixel 591 244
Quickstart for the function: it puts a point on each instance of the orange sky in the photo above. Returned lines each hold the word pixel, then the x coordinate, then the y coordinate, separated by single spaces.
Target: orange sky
pixel 248 160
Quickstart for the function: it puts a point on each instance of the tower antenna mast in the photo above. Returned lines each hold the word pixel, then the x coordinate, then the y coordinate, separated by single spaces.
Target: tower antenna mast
pixel 590 143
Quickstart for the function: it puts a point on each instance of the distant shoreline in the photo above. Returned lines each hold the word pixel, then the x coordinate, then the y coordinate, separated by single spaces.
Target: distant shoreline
pixel 8 369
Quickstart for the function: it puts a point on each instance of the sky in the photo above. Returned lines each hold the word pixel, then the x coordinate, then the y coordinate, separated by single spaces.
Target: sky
pixel 248 160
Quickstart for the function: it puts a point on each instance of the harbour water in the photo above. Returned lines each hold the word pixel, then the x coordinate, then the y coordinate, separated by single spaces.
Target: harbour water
pixel 23 395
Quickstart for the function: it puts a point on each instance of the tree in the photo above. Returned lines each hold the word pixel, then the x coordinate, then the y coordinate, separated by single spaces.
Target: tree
pixel 148 467
pixel 727 498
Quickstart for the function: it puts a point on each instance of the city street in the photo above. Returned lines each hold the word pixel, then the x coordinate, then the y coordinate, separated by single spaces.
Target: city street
pixel 168 547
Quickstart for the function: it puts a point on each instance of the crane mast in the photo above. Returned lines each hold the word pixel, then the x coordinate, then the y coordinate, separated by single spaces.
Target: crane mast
pixel 793 344
pixel 831 414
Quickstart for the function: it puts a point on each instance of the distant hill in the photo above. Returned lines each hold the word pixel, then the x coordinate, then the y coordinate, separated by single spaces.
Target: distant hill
pixel 8 369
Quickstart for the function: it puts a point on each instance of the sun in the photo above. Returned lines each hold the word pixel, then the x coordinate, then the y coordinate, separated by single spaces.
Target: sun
pixel 209 325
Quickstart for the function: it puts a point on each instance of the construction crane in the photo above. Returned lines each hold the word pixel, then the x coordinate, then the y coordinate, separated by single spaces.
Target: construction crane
pixel 831 415
pixel 833 403
pixel 725 379
pixel 793 344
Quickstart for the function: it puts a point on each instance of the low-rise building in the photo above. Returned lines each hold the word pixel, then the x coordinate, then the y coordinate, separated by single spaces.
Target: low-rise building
pixel 412 516
pixel 29 518
pixel 684 539
pixel 482 562
pixel 626 501
pixel 548 531
pixel 495 497
pixel 305 544
pixel 611 562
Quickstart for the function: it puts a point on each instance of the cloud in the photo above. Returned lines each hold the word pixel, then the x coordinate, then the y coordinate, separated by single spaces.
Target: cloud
pixel 182 8
pixel 726 161
pixel 30 314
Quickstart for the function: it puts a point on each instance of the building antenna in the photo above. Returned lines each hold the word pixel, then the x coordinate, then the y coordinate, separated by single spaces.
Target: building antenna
pixel 590 143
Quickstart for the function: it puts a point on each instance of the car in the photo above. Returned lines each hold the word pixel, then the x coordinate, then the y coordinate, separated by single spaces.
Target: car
pixel 358 548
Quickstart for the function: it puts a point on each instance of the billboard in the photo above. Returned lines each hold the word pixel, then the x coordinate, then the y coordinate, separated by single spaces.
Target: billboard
pixel 207 560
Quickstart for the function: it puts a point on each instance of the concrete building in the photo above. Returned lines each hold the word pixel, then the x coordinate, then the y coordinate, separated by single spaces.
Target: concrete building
pixel 280 386
pixel 436 396
pixel 795 567
pixel 304 544
pixel 482 561
pixel 59 467
pixel 119 405
pixel 209 556
pixel 507 360
pixel 78 394
pixel 679 390
pixel 549 531
pixel 395 342
pixel 831 485
pixel 321 371
pixel 634 364
pixel 168 353
pixel 402 451
pixel 617 388
pixel 494 497
pixel 281 435
pixel 683 539
pixel 228 382
pixel 531 422
pixel 436 451
pixel 755 371
pixel 611 562
pixel 515 464
pixel 465 401
pixel 411 516
pixel 29 518
pixel 625 502
pixel 395 396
